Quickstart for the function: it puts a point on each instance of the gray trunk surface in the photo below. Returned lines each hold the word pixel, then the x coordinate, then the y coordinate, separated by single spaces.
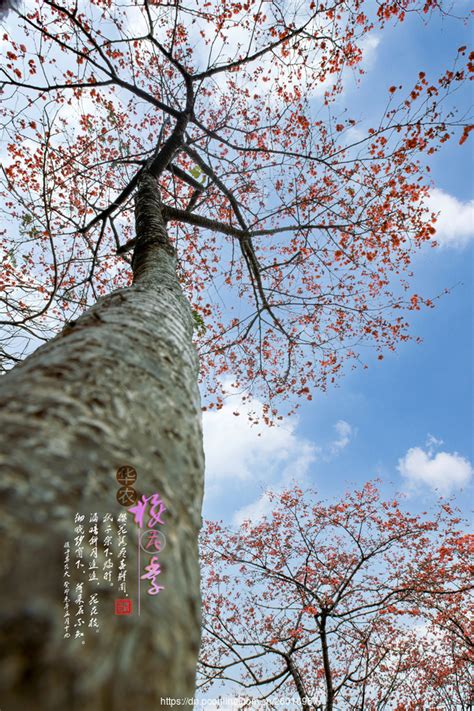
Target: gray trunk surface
pixel 118 387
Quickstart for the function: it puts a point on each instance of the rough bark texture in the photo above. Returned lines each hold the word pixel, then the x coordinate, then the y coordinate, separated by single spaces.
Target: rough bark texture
pixel 118 387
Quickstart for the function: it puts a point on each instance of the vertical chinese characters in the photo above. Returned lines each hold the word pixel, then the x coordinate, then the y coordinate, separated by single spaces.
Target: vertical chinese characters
pixel 108 563
pixel 122 552
pixel 67 575
pixel 95 563
pixel 93 543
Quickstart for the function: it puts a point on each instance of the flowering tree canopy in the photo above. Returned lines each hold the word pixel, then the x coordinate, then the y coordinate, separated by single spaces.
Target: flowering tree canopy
pixel 351 605
pixel 294 228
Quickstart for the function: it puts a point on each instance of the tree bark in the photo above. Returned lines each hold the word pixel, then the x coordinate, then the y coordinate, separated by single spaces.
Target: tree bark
pixel 326 665
pixel 119 386
pixel 293 669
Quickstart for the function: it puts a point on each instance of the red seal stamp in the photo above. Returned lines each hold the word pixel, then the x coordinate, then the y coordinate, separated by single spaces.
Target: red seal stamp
pixel 123 607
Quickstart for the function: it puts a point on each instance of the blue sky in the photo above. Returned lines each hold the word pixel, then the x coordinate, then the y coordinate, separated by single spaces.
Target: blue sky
pixel 411 412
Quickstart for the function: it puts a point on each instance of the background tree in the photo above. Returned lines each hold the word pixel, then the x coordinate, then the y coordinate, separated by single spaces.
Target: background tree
pixel 352 605
pixel 196 117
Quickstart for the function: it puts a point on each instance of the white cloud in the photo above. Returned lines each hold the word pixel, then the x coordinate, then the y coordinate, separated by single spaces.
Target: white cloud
pixel 238 451
pixel 455 225
pixel 254 511
pixel 344 433
pixel 443 472
pixel 302 455
pixel 432 443
pixel 242 458
pixel 369 45
pixel 134 19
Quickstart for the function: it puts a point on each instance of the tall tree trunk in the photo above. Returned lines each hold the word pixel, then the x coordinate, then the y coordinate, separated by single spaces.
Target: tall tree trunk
pixel 117 387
